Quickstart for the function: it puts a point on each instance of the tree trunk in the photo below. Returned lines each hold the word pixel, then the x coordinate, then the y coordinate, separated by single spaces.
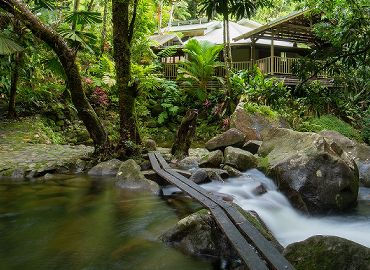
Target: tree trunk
pixel 128 90
pixel 104 31
pixel 171 17
pixel 76 5
pixel 73 79
pixel 185 134
pixel 13 84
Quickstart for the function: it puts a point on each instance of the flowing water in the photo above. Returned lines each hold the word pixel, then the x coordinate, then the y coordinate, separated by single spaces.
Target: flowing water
pixel 80 223
pixel 83 223
pixel 287 224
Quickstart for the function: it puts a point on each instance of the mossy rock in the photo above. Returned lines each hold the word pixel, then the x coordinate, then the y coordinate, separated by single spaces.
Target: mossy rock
pixel 328 253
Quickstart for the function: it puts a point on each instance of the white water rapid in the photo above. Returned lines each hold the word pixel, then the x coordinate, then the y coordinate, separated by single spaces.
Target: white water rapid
pixel 286 223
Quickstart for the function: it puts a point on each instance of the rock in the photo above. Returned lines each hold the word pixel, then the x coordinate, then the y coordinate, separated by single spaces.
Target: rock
pixel 254 126
pixel 150 145
pixel 232 137
pixel 240 159
pixel 232 171
pixel 329 253
pixel 364 172
pixel 216 174
pixel 212 160
pixel 184 173
pixel 36 160
pixel 145 165
pixel 199 235
pixel 153 176
pixel 188 163
pixel 129 176
pixel 107 168
pixel 357 151
pixel 200 176
pixel 252 146
pixel 312 174
pixel 259 190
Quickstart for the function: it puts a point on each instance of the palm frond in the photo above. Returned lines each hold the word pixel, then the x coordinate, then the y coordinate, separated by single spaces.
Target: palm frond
pixel 8 46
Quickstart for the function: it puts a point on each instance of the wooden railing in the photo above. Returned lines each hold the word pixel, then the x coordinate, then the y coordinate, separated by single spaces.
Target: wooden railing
pixel 270 65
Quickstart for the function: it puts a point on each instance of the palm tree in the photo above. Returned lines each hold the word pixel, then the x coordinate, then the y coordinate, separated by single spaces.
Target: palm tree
pixel 238 9
pixel 199 68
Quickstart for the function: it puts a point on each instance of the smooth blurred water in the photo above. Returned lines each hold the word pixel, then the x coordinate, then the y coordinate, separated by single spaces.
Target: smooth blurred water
pixel 81 223
pixel 286 223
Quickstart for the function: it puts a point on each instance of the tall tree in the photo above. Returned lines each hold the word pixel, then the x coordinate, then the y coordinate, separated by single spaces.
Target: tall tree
pixel 123 33
pixel 66 57
pixel 239 9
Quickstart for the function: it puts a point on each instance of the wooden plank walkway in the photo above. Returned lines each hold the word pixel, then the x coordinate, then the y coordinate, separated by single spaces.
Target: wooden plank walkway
pixel 236 227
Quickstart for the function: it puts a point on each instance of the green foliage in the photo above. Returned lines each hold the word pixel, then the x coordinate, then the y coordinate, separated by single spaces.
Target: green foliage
pixel 330 122
pixel 255 87
pixel 8 46
pixel 261 109
pixel 200 67
pixel 366 128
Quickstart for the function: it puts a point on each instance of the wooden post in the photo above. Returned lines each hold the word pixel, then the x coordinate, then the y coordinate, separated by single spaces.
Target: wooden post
pixel 272 54
pixel 253 50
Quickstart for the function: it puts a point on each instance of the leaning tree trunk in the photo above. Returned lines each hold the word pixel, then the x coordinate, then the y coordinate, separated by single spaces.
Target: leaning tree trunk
pixel 12 113
pixel 66 57
pixel 128 90
pixel 185 134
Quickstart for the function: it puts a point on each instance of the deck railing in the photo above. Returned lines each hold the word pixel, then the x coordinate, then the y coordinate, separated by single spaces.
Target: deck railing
pixel 270 65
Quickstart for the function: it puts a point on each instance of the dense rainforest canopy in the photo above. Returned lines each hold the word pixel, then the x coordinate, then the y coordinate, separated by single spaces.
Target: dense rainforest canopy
pixel 92 61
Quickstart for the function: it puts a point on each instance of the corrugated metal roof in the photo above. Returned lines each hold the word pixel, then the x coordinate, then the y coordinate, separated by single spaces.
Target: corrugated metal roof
pixel 159 40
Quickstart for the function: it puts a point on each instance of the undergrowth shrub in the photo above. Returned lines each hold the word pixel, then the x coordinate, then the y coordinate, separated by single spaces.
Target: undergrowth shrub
pixel 330 122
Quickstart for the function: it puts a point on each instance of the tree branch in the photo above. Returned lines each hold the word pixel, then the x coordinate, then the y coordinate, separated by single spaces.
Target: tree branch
pixel 329 63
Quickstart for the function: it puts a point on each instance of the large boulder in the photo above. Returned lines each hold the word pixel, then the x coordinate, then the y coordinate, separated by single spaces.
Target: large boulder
pixel 212 160
pixel 232 137
pixel 329 253
pixel 107 168
pixel 254 126
pixel 357 151
pixel 199 235
pixel 240 159
pixel 314 174
pixel 129 176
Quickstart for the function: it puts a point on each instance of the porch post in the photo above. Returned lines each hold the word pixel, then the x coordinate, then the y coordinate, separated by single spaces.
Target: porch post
pixel 253 50
pixel 272 54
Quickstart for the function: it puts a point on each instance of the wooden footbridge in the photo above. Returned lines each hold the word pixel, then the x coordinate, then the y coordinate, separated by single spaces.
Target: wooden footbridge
pixel 255 250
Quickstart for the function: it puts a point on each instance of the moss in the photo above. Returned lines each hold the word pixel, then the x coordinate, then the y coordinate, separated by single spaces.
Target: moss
pixel 263 164
pixel 261 109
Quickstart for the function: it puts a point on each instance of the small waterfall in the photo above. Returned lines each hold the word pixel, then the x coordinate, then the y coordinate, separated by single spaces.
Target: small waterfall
pixel 287 224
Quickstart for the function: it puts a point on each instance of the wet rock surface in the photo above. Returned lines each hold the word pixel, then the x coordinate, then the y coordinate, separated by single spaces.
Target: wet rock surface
pixel 35 160
pixel 240 159
pixel 129 176
pixel 199 235
pixel 107 168
pixel 329 253
pixel 310 171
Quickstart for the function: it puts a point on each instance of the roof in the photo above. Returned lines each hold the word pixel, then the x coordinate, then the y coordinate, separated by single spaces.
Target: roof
pixel 212 31
pixel 193 26
pixel 293 27
pixel 216 36
pixel 160 40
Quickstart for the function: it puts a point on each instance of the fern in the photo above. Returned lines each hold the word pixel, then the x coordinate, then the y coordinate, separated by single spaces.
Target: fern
pixel 8 46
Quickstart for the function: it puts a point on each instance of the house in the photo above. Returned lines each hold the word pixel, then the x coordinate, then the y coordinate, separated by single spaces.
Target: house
pixel 273 47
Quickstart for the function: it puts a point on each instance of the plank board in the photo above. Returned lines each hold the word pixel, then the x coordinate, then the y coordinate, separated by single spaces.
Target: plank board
pixel 267 250
pixel 244 249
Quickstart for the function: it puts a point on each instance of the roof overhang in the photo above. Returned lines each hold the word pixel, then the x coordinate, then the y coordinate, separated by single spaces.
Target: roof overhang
pixel 295 27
